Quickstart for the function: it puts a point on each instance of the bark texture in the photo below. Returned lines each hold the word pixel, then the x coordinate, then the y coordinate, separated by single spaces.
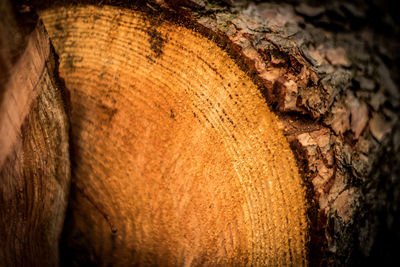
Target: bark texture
pixel 34 148
pixel 339 107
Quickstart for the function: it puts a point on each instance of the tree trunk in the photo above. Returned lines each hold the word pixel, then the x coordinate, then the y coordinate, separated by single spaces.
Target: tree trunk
pixel 240 133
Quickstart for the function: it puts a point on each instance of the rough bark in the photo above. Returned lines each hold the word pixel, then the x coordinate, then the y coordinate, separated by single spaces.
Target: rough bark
pixel 34 150
pixel 330 76
pixel 339 107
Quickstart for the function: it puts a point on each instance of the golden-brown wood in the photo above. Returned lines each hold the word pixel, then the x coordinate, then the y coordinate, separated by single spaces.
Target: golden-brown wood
pixel 177 158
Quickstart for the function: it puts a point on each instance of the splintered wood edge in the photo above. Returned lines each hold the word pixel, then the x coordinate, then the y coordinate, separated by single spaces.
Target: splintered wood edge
pixel 196 86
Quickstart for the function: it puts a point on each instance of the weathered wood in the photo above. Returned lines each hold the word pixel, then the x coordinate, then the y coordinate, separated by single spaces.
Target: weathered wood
pixel 34 149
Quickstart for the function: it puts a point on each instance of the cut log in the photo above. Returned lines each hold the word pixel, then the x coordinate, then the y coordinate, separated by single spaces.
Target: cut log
pixel 177 158
pixel 188 118
pixel 34 150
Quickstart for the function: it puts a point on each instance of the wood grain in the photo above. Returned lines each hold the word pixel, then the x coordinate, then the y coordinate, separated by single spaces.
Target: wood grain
pixel 177 158
pixel 34 158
